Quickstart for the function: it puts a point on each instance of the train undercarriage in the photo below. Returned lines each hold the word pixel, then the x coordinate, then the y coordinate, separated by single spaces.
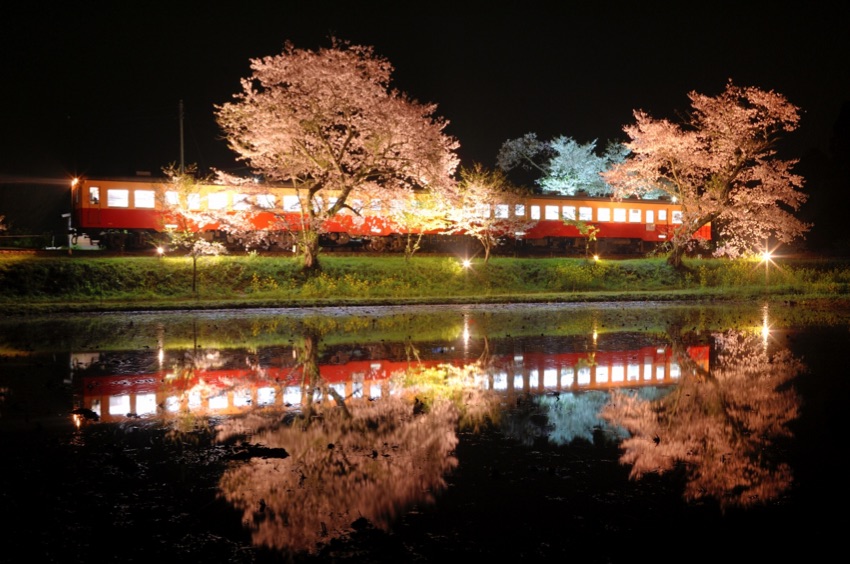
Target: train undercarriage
pixel 281 241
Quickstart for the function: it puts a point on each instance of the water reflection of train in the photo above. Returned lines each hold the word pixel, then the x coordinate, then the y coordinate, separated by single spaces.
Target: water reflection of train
pixel 116 386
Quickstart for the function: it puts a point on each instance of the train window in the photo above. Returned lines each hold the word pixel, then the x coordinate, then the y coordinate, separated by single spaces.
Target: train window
pixel 94 195
pixel 266 201
pixel 144 198
pixel 585 214
pixel 677 217
pixel 217 200
pixel 634 216
pixel 194 201
pixel 603 214
pixel 535 212
pixel 500 211
pixel 482 210
pixel 619 215
pixel 569 212
pixel 662 215
pixel 172 198
pixel 552 212
pixel 650 216
pixel 118 198
pixel 519 210
pixel 240 202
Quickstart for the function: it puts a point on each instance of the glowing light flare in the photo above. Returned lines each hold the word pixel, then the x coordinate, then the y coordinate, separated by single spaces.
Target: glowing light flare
pixel 466 263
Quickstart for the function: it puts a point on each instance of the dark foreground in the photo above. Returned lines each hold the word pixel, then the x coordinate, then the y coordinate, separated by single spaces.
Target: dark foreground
pixel 129 493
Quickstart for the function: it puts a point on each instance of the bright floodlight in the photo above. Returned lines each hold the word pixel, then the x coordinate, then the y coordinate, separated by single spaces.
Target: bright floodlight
pixel 160 251
pixel 766 256
pixel 466 263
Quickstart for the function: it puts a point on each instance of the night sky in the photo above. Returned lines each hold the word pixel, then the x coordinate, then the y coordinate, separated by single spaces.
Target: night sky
pixel 95 88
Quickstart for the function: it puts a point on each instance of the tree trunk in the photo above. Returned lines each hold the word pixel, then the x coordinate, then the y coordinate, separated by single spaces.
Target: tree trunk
pixel 310 251
pixel 675 258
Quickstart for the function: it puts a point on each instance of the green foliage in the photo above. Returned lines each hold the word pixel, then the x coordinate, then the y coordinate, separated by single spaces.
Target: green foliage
pixel 80 282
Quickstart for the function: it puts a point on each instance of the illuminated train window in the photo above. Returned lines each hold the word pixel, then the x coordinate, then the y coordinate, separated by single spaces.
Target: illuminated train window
pixel 552 212
pixel 240 202
pixel 634 216
pixel 620 215
pixel 291 203
pixel 585 213
pixel 118 198
pixel 217 200
pixel 677 217
pixel 144 198
pixel 603 214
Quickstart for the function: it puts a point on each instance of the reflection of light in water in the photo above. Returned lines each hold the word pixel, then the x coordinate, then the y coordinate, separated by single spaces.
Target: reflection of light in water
pixel 765 326
pixel 265 396
pixel 465 332
pixel 242 398
pixel 160 343
pixel 145 404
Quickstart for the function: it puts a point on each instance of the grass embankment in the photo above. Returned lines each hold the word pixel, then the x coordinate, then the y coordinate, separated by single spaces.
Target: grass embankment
pixel 43 284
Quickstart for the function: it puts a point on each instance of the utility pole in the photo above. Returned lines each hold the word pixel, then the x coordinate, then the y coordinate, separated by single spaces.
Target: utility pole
pixel 182 167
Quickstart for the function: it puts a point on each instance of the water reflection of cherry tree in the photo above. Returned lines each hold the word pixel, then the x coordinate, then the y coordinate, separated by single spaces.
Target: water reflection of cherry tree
pixel 347 462
pixel 717 425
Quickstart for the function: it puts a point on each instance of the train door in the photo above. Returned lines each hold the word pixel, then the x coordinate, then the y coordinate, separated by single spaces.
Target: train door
pixel 91 209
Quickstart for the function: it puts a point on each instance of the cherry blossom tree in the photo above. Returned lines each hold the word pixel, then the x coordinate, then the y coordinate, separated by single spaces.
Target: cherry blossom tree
pixel 186 223
pixel 484 205
pixel 329 123
pixel 420 215
pixel 565 165
pixel 721 164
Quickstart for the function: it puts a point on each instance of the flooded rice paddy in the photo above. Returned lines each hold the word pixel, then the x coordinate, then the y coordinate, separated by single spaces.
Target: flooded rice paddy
pixel 599 432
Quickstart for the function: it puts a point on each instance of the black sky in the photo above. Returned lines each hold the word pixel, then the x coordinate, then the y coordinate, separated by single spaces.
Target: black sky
pixel 94 88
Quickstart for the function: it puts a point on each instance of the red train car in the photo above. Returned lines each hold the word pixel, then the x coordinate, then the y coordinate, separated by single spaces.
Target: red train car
pixel 134 214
